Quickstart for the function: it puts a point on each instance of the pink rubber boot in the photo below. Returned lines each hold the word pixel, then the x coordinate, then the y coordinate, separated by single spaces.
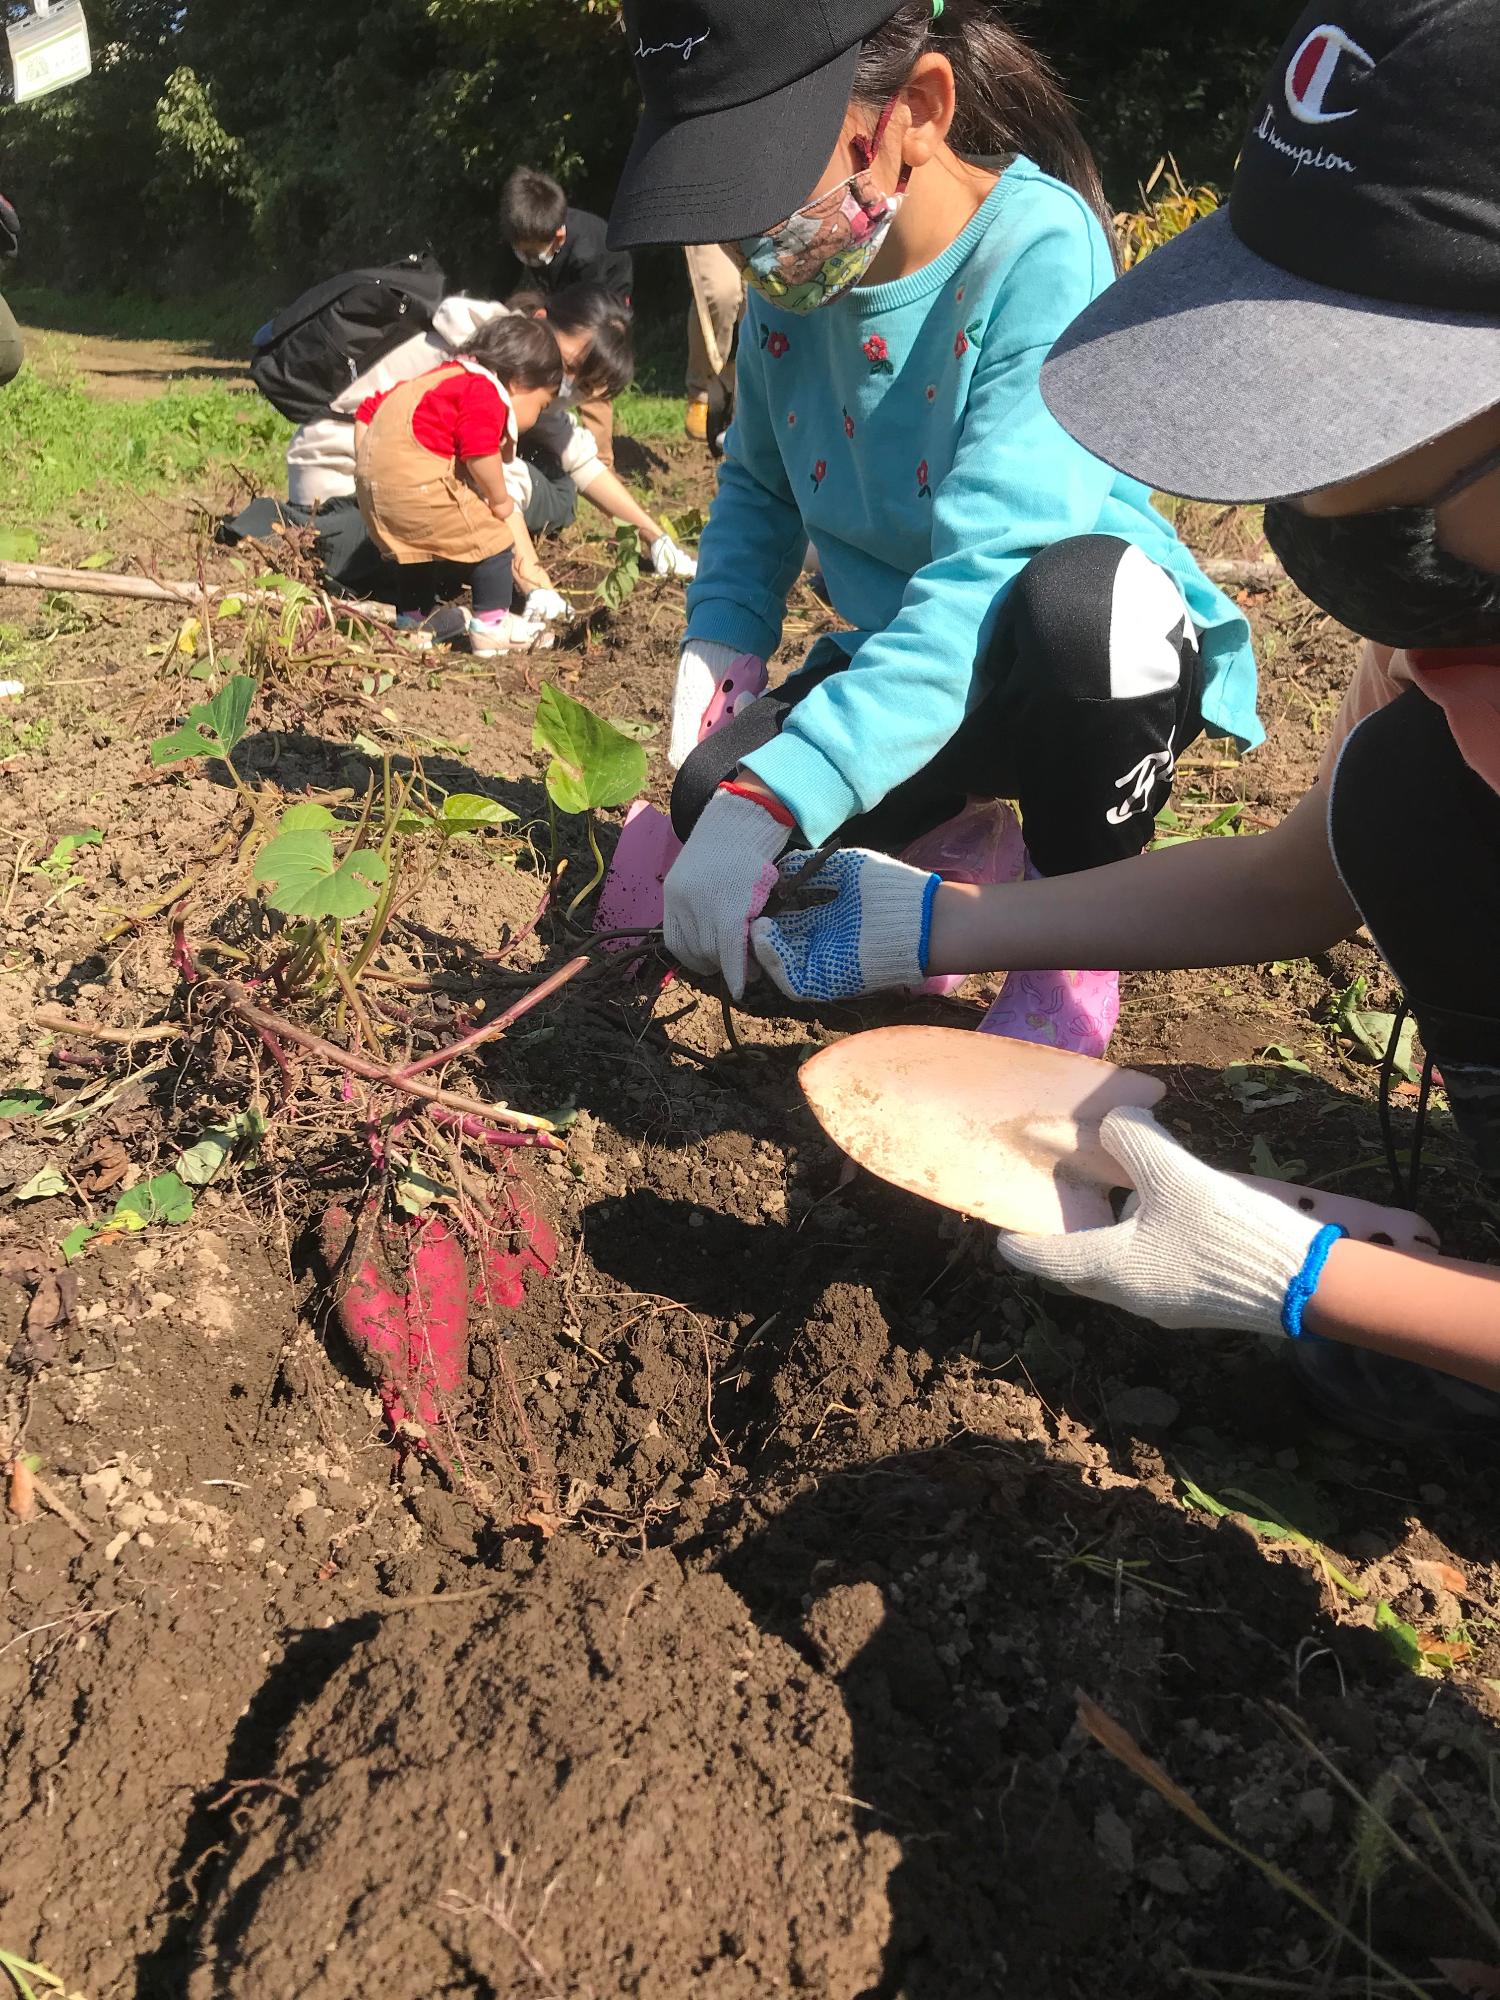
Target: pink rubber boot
pixel 1062 1010
pixel 634 893
pixel 982 845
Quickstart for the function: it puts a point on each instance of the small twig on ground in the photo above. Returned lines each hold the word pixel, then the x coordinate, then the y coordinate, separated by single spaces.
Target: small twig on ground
pixel 1263 573
pixel 103 583
pixel 427 1599
pixel 500 1909
pixel 543 1487
pixel 51 1499
pixel 61 1022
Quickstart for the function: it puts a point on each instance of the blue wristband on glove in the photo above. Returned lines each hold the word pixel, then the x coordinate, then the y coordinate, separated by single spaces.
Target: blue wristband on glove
pixel 924 947
pixel 1300 1291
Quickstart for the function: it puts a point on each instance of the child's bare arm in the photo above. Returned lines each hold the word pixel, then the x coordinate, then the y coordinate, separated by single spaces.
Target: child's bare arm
pixel 487 477
pixel 1443 1314
pixel 1209 902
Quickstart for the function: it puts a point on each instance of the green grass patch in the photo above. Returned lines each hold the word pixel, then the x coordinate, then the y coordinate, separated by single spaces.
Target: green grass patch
pixel 639 415
pixel 59 446
pixel 224 321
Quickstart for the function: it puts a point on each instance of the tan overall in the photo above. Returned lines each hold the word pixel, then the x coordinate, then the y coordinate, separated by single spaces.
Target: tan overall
pixel 418 507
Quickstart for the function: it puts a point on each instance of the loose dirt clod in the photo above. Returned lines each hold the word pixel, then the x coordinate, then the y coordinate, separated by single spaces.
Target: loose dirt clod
pixel 583 1786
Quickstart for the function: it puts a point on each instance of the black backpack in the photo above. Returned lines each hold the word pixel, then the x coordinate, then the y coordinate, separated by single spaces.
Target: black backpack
pixel 313 350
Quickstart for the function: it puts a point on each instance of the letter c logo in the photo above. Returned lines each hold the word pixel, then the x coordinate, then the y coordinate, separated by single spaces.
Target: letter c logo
pixel 1313 70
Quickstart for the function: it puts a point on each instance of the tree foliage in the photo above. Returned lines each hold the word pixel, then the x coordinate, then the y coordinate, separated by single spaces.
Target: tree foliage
pixel 272 140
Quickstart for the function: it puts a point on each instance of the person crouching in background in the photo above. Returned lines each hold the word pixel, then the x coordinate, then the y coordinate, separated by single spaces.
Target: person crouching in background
pixel 556 246
pixel 430 461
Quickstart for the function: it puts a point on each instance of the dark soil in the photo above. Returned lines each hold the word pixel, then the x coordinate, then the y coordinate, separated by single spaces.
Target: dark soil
pixel 741 1653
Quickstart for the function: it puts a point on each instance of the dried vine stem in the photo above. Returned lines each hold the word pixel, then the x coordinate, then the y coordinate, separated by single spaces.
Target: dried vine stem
pixel 371 1072
pixel 60 1022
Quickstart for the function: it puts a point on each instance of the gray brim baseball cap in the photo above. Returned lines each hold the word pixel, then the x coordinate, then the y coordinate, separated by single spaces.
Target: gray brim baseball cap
pixel 1345 308
pixel 1211 373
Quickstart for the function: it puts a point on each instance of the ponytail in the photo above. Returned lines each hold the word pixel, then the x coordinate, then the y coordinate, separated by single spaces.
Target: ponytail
pixel 1008 96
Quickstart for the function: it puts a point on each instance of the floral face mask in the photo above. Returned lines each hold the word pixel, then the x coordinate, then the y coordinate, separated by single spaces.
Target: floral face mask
pixel 822 251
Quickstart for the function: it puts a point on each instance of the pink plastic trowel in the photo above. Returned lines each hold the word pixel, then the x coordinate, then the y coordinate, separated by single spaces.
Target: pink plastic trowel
pixel 633 896
pixel 1008 1132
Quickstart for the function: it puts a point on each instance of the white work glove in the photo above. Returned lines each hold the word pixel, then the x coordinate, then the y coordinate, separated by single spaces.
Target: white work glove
pixel 719 884
pixel 1200 1250
pixel 713 684
pixel 546 607
pixel 669 560
pixel 870 936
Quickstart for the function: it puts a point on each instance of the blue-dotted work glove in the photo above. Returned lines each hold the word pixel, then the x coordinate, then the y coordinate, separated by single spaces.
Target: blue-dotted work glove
pixel 867 933
pixel 1200 1250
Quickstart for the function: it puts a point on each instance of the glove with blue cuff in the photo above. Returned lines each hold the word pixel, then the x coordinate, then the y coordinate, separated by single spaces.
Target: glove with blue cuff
pixel 1200 1250
pixel 863 927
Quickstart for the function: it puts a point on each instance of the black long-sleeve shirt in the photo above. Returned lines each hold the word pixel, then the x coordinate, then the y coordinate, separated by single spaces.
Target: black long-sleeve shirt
pixel 584 259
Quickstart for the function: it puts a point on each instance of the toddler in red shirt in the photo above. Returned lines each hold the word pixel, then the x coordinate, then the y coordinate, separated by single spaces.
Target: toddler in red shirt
pixel 430 461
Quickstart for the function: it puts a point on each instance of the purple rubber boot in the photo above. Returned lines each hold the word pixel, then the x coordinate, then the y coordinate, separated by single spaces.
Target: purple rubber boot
pixel 1062 1010
pixel 982 845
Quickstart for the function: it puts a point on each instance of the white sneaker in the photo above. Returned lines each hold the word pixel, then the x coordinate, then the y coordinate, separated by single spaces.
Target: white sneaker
pixel 509 634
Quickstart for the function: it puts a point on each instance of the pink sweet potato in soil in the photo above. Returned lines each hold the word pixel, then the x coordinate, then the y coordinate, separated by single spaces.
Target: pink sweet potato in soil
pixel 416 1342
pixel 502 1281
pixel 437 1315
pixel 370 1310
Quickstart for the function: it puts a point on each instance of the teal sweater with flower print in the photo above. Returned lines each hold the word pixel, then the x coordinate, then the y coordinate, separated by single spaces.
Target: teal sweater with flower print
pixel 902 430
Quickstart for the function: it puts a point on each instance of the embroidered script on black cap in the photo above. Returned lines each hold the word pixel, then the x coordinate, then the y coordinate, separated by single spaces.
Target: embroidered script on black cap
pixel 1301 156
pixel 683 48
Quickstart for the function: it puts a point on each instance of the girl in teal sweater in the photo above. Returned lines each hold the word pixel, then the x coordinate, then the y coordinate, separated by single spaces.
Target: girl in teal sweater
pixel 1025 625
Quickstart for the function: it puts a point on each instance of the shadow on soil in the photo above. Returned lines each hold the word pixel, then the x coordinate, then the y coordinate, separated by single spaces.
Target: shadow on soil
pixel 960 1596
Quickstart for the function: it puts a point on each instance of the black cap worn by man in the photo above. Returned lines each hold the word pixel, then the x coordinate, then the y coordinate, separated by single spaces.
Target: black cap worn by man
pixel 1345 309
pixel 744 103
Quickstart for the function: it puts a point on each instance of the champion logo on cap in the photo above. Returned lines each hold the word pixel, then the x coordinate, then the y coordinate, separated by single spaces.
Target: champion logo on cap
pixel 1317 67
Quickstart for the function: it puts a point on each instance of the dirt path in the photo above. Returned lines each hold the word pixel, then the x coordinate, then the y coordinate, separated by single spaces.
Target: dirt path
pixel 732 1647
pixel 129 370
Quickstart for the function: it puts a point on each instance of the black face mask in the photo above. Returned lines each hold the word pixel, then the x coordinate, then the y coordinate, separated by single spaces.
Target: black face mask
pixel 1385 575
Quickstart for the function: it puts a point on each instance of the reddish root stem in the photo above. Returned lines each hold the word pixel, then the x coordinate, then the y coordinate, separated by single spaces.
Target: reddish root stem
pixel 496 1029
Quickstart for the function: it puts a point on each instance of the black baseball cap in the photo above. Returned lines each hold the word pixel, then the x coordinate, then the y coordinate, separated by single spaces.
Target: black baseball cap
pixel 1345 308
pixel 744 103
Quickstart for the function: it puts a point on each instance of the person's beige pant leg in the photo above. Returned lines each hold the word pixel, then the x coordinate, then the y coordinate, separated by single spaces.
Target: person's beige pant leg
pixel 718 303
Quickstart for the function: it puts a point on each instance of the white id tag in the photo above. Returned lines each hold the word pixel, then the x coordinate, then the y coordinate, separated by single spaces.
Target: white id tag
pixel 50 50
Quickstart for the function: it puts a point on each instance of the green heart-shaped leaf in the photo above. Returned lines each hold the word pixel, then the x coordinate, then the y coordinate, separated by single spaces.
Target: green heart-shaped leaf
pixel 308 818
pixel 163 1198
pixel 468 812
pixel 212 728
pixel 308 879
pixel 593 765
